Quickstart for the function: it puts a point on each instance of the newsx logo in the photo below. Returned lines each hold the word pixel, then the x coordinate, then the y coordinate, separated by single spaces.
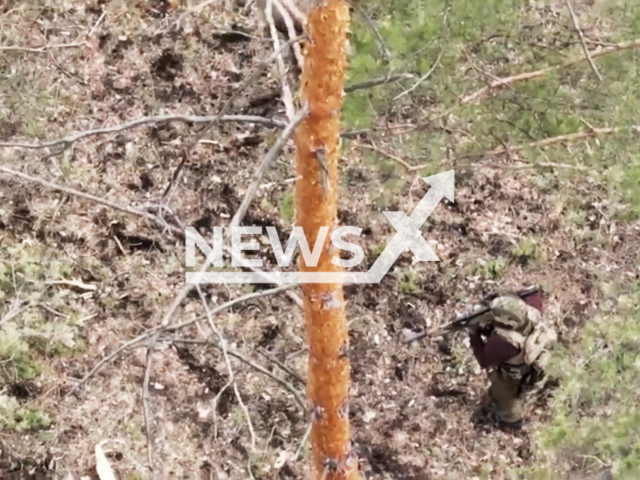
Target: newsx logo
pixel 407 235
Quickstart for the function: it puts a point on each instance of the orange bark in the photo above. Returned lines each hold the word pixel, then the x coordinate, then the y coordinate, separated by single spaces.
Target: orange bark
pixel 317 141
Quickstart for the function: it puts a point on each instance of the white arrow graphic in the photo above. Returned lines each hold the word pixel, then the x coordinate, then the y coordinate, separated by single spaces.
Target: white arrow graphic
pixel 408 228
pixel 407 235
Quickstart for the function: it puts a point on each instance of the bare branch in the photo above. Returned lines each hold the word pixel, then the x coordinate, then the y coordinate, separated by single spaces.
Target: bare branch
pixel 287 98
pixel 268 159
pixel 234 353
pixel 574 19
pixel 65 142
pixel 422 79
pixel 303 441
pixel 223 347
pixel 143 337
pixel 87 196
pixel 374 82
pixel 288 370
pixel 43 49
pixel 386 154
pixel 145 407
pixel 501 82
pixel 290 27
pixel 363 14
pixel 545 142
pixel 131 211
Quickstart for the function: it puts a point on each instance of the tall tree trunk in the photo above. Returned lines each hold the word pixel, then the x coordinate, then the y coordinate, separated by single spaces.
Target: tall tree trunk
pixel 318 152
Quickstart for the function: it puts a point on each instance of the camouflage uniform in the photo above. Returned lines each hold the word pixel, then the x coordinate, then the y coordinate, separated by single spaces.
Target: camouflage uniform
pixel 515 352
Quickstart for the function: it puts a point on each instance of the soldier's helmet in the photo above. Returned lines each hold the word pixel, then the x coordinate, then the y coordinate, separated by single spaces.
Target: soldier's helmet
pixel 511 312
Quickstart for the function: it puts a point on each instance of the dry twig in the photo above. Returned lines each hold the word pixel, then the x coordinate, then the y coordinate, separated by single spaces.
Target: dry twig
pixel 386 154
pixel 145 406
pixel 286 369
pixel 256 366
pixel 43 49
pixel 422 79
pixel 287 98
pixel 545 142
pixel 374 82
pixel 144 337
pixel 574 19
pixel 67 141
pixel 290 27
pixel 223 347
pixel 501 82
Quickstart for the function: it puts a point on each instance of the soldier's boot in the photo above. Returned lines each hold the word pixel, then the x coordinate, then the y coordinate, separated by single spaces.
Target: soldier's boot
pixel 507 398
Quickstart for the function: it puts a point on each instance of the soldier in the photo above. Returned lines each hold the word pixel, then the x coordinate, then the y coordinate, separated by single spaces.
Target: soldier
pixel 511 341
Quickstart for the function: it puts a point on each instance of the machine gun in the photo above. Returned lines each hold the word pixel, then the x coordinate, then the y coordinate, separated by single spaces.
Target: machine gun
pixel 469 319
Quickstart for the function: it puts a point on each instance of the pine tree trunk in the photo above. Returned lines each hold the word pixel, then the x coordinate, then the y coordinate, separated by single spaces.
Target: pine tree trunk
pixel 318 152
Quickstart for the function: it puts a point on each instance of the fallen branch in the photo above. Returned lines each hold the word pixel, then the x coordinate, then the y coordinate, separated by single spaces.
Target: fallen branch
pixel 43 49
pixel 87 196
pixel 143 337
pixel 72 283
pixel 131 211
pixel 225 353
pixel 422 79
pixel 286 385
pixel 374 82
pixel 268 159
pixel 284 13
pixel 386 154
pixel 145 406
pixel 197 119
pixel 286 369
pixel 570 137
pixel 287 97
pixel 65 142
pixel 372 26
pixel 239 91
pixel 574 19
pixel 501 82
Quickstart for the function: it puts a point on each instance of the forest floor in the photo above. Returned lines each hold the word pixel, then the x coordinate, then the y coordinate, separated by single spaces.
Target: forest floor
pixel 79 279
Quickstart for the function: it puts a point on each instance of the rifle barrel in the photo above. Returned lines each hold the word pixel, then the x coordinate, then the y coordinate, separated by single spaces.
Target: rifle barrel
pixel 463 320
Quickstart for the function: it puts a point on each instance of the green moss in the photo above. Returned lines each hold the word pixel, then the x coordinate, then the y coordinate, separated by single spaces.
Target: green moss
pixel 596 417
pixel 287 206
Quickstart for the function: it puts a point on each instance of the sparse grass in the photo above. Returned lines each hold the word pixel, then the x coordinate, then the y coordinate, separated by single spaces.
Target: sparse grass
pixel 287 206
pixel 478 40
pixel 41 320
pixel 596 417
pixel 408 283
pixel 488 270
pixel 13 417
pixel 528 252
pixel 493 37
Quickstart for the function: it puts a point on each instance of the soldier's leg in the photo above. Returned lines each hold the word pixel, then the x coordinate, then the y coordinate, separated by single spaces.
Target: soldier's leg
pixel 507 398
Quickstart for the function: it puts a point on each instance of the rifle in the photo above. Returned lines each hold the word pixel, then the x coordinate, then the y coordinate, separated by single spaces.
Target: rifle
pixel 468 319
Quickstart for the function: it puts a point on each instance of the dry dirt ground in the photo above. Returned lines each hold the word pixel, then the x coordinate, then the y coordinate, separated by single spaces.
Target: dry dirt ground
pixel 416 411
